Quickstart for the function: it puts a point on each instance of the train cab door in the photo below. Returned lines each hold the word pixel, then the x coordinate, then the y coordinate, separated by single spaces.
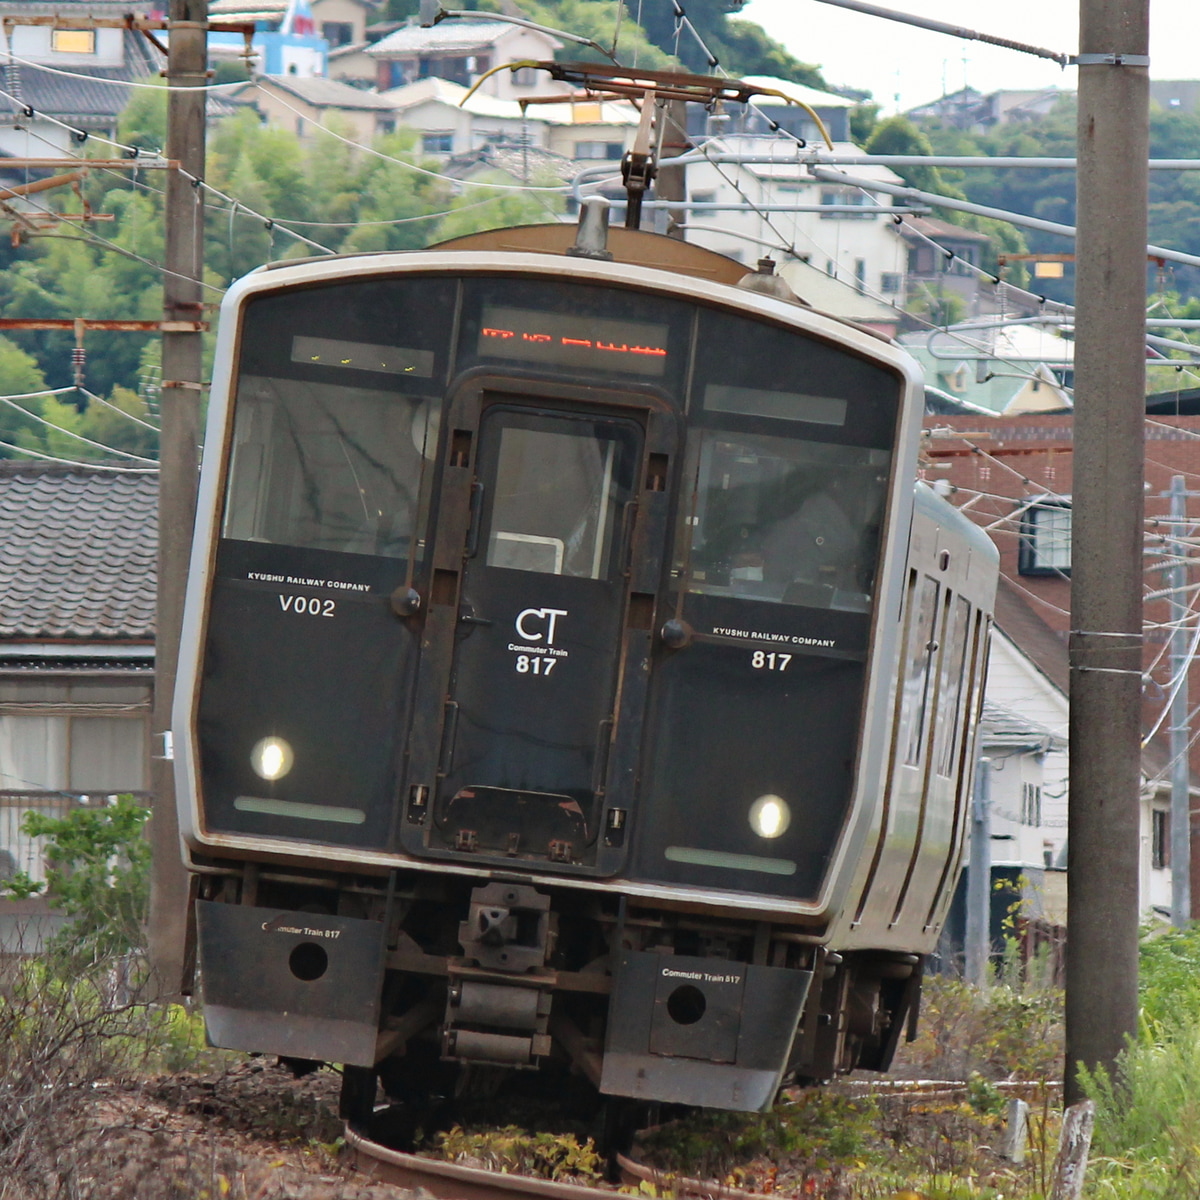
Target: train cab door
pixel 540 518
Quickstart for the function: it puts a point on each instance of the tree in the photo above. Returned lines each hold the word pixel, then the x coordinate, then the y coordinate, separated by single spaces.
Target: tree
pixel 98 873
pixel 898 135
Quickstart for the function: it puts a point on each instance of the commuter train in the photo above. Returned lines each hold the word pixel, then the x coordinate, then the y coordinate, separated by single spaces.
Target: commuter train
pixel 572 677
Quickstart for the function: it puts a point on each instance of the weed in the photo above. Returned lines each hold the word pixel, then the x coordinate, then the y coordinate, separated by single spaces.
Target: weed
pixel 511 1150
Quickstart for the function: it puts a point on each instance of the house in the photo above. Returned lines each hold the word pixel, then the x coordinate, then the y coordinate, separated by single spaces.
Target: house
pixel 435 108
pixel 943 260
pixel 287 40
pixel 971 110
pixel 508 162
pixel 775 203
pixel 997 369
pixel 303 105
pixel 1013 474
pixel 77 608
pixel 837 297
pixel 1175 95
pixel 89 98
pixel 453 121
pixel 462 52
pixel 789 107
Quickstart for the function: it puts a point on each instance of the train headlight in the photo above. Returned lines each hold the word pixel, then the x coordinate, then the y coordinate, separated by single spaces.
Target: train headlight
pixel 770 816
pixel 271 758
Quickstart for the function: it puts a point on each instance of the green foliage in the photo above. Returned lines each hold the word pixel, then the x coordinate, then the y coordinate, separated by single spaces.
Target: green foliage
pixel 1169 977
pixel 1004 1030
pixel 898 135
pixel 595 19
pixel 98 874
pixel 983 1095
pixel 511 1150
pixel 864 118
pixel 19 371
pixel 818 1127
pixel 1148 1117
pixel 742 47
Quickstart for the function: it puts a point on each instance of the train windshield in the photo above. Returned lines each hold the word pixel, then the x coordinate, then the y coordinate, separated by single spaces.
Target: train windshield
pixel 791 521
pixel 329 467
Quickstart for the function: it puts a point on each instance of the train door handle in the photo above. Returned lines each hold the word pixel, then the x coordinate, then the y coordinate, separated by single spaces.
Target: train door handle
pixel 466 615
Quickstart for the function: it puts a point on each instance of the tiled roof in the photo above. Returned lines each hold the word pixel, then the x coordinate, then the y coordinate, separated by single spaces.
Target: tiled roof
pixel 77 553
pixel 1039 643
pixel 457 35
pixel 1002 726
pixel 515 160
pixel 84 92
pixel 321 92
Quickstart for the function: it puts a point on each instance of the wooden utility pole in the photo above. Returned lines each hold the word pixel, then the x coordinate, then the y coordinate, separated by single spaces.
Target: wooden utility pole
pixel 1106 546
pixel 187 73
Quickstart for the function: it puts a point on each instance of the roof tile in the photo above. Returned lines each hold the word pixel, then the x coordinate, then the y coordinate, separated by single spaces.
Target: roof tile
pixel 78 552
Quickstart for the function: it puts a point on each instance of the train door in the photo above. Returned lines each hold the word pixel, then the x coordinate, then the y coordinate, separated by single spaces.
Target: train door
pixel 532 670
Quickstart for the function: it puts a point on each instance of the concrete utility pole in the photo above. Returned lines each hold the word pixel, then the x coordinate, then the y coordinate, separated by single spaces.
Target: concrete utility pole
pixel 1106 547
pixel 187 72
pixel 1181 725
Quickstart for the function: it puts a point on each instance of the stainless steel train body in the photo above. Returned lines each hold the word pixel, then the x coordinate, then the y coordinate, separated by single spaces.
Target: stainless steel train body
pixel 570 679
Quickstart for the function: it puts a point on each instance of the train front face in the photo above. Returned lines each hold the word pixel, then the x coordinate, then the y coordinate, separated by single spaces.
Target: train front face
pixel 532 665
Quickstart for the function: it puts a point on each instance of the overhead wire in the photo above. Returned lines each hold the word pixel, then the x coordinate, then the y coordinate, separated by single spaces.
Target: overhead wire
pixel 560 189
pixel 7 55
pixel 72 462
pixel 71 433
pixel 117 409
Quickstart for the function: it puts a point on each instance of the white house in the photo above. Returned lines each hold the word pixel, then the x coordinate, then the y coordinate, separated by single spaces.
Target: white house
pixel 463 51
pixel 1028 675
pixel 451 122
pixel 88 99
pixel 830 227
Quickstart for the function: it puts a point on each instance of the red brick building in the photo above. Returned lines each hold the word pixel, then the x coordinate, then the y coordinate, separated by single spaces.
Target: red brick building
pixel 1014 475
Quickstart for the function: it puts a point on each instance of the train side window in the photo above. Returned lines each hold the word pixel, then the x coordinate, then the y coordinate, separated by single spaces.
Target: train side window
pixel 786 520
pixel 918 673
pixel 953 661
pixel 327 467
pixel 557 495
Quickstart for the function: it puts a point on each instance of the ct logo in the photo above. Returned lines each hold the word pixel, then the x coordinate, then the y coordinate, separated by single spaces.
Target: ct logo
pixel 547 616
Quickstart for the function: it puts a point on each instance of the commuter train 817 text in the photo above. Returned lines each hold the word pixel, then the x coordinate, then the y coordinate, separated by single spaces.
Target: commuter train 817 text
pixel 572 679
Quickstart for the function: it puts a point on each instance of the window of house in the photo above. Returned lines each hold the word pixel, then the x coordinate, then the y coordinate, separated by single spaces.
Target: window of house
pixel 73 41
pixel 609 151
pixel 524 76
pixel 1045 546
pixel 854 197
pixel 73 738
pixel 437 143
pixel 1031 804
pixel 890 282
pixel 337 33
pixel 1160 838
pixel 860 274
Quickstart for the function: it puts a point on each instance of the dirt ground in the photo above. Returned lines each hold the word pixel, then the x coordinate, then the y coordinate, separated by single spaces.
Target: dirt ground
pixel 250 1133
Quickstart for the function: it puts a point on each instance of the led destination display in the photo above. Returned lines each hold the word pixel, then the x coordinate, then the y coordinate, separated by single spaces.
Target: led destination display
pixel 597 343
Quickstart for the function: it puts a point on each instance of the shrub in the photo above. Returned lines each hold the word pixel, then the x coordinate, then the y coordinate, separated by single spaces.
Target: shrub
pixel 1004 1030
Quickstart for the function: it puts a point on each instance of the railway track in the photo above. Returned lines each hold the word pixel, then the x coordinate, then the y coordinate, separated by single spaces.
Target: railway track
pixel 451 1181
